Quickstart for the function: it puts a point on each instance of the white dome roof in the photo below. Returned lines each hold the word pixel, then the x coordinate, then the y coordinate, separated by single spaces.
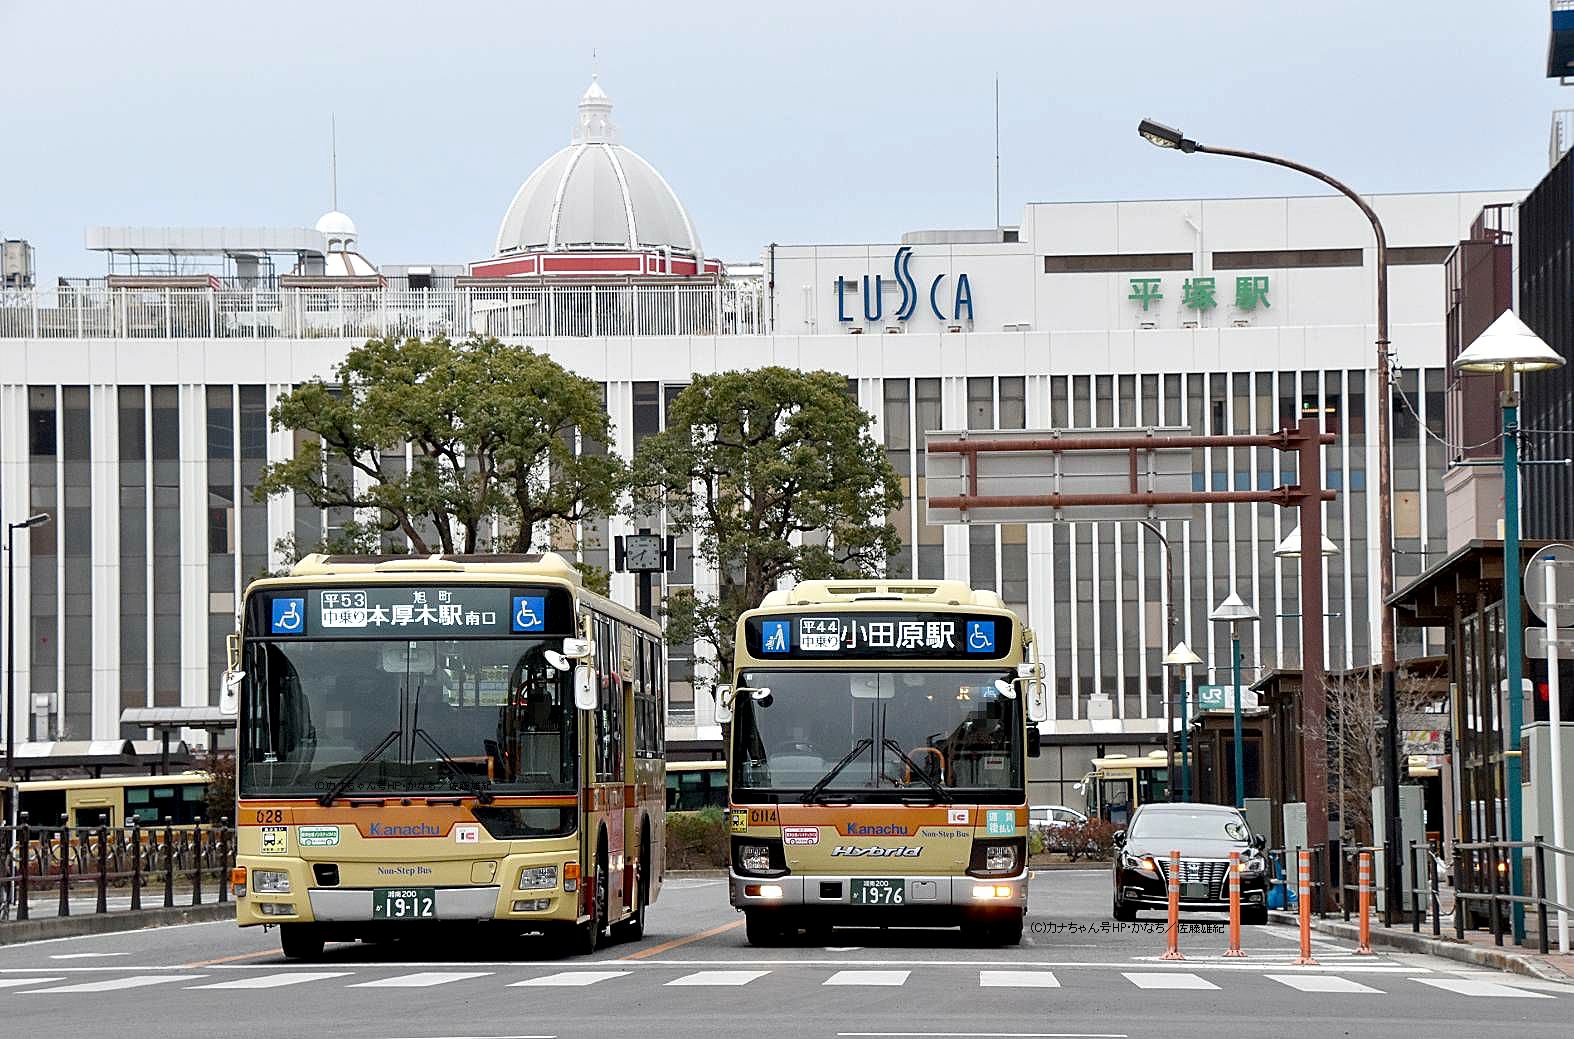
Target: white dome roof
pixel 336 224
pixel 595 194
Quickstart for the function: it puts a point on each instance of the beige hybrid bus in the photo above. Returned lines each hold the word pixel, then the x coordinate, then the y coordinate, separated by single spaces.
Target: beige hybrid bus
pixel 434 741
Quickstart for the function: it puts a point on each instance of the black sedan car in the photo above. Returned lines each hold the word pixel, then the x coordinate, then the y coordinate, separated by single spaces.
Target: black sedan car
pixel 1204 835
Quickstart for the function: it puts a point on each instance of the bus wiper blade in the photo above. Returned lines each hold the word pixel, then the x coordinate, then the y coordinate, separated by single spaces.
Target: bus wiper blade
pixel 824 781
pixel 481 788
pixel 349 777
pixel 940 794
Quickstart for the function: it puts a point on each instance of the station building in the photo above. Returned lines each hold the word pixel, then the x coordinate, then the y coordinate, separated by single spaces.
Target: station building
pixel 133 410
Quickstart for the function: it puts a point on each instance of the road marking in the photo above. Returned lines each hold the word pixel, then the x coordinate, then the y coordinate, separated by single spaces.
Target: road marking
pixel 115 984
pixel 233 959
pixel 982 1035
pixel 84 955
pixel 423 979
pixel 868 977
pixel 719 977
pixel 483 1037
pixel 279 980
pixel 1017 979
pixel 676 942
pixel 1473 987
pixel 1321 983
pixel 1169 981
pixel 19 982
pixel 571 979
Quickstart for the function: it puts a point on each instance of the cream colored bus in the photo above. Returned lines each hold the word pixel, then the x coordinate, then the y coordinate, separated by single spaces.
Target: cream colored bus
pixel 427 741
pixel 879 744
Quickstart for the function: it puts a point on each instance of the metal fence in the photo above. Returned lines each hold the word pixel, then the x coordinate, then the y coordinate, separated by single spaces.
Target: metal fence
pixel 724 307
pixel 145 866
pixel 1482 874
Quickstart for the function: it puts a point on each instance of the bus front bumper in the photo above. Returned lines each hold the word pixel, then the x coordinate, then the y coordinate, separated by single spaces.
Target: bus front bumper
pixel 918 892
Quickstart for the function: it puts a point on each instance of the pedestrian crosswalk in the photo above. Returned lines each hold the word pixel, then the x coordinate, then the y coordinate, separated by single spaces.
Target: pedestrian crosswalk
pixel 1393 978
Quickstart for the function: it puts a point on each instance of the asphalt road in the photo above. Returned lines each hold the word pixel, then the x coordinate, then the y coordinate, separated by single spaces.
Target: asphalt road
pixel 694 975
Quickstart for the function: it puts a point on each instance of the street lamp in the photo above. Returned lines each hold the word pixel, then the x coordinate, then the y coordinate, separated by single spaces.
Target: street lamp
pixel 1313 698
pixel 1169 640
pixel 1507 346
pixel 1290 548
pixel 10 641
pixel 1233 611
pixel 1181 658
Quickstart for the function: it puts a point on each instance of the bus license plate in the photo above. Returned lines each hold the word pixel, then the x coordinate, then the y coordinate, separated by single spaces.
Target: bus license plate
pixel 877 892
pixel 404 903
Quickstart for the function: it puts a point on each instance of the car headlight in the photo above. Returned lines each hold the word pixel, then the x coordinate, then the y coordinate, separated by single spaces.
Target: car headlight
pixel 270 882
pixel 754 858
pixel 537 877
pixel 1253 865
pixel 1142 864
pixel 1000 858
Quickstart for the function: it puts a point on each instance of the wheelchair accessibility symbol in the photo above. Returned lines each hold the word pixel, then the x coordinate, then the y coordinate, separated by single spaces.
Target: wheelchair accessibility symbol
pixel 980 636
pixel 530 613
pixel 289 616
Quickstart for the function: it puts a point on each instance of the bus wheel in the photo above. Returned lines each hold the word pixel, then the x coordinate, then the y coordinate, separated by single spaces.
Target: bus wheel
pixel 1008 930
pixel 762 928
pixel 587 937
pixel 300 941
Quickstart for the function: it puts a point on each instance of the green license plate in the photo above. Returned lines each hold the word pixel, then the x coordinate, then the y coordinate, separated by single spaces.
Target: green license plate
pixel 404 903
pixel 878 892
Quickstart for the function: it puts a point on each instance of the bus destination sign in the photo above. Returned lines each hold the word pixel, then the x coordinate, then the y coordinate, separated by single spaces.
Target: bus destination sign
pixel 424 611
pixel 926 636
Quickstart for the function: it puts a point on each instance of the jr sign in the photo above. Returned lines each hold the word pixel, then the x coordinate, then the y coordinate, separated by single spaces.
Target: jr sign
pixel 960 297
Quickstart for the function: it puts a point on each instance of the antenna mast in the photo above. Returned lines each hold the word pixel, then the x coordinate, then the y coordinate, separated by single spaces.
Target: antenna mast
pixel 997 153
pixel 333 162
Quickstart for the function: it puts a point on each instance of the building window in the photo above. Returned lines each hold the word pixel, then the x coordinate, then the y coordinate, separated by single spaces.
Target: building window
pixel 1115 263
pixel 1281 258
pixel 1417 255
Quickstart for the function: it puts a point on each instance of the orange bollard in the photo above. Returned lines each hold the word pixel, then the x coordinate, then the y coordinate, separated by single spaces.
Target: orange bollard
pixel 1365 946
pixel 1304 897
pixel 1235 906
pixel 1173 952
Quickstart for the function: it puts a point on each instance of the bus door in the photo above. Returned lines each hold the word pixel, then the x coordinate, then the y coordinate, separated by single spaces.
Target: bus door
pixel 1116 799
pixel 94 807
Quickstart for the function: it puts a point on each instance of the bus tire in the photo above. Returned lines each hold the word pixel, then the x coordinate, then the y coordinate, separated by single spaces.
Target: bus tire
pixel 300 941
pixel 587 937
pixel 762 927
pixel 633 928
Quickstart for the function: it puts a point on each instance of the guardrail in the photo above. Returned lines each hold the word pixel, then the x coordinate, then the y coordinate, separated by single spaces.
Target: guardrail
pixel 139 859
pixel 99 312
pixel 1481 875
pixel 1284 871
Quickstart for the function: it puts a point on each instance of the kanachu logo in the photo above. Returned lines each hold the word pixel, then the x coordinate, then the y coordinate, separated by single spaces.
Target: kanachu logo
pixel 877 830
pixel 417 830
pixel 903 852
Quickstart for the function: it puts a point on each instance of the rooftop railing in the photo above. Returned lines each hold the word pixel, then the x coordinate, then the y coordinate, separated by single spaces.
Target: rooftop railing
pixel 734 307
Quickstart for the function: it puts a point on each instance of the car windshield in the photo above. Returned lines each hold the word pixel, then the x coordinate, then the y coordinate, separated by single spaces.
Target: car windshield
pixel 1211 826
pixel 877 732
pixel 405 716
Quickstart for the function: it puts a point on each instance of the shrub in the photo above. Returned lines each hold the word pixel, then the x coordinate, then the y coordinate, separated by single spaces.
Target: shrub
pixel 1035 842
pixel 697 840
pixel 1093 839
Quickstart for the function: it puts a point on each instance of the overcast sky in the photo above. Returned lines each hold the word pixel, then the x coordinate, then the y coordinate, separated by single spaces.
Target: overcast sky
pixel 801 122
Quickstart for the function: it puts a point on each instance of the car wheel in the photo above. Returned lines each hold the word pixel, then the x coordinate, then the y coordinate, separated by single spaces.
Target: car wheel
pixel 1254 916
pixel 1123 913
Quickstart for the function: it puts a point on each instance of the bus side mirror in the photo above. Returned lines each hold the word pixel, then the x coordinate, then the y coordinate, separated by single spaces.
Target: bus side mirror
pixel 229 688
pixel 584 687
pixel 1035 742
pixel 723 704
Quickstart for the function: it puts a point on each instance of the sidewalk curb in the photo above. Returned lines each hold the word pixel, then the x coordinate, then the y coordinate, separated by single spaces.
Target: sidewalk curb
pixel 1498 959
pixel 13 932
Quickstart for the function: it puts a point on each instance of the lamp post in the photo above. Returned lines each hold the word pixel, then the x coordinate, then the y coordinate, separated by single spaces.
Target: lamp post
pixel 1290 548
pixel 1168 137
pixel 1507 346
pixel 1182 659
pixel 1233 611
pixel 1169 640
pixel 10 641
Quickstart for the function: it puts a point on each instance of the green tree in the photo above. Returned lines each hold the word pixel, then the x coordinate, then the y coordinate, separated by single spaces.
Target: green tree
pixel 492 431
pixel 775 473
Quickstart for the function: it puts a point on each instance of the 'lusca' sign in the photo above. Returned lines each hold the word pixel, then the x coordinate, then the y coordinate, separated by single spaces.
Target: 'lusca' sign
pixel 959 299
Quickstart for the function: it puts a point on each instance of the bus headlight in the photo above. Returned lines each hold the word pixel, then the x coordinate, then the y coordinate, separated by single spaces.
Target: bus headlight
pixel 996 858
pixel 532 877
pixel 754 858
pixel 1000 858
pixel 270 882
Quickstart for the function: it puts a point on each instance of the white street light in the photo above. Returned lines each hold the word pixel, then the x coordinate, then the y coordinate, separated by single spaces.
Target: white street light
pixel 1232 611
pixel 1182 659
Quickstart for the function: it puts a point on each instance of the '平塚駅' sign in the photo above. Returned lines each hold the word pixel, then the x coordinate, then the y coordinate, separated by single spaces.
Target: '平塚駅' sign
pixel 947 304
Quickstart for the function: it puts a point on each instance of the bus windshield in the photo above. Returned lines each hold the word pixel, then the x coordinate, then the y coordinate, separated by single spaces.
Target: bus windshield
pixel 877 734
pixel 374 716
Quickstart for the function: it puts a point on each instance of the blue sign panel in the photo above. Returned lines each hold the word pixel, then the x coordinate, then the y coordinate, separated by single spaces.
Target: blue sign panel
pixel 289 616
pixel 775 636
pixel 981 637
pixel 530 613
